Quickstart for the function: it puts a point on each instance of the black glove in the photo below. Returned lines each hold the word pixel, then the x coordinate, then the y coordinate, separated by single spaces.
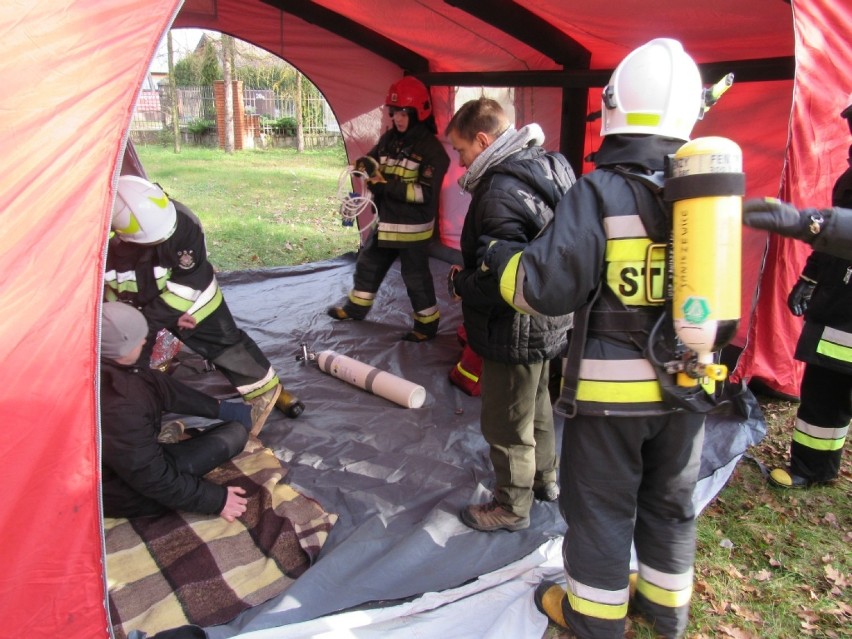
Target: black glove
pixel 369 167
pixel 800 296
pixel 377 189
pixel 235 412
pixel 494 254
pixel 785 219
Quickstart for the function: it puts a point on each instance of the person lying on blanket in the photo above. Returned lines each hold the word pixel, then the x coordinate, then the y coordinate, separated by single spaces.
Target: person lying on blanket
pixel 147 470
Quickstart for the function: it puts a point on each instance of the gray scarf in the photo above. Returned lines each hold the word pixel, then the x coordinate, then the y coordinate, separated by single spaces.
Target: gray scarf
pixel 510 141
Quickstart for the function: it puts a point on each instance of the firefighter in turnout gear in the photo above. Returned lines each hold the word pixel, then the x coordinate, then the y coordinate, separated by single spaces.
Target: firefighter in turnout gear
pixel 823 294
pixel 157 261
pixel 630 460
pixel 405 169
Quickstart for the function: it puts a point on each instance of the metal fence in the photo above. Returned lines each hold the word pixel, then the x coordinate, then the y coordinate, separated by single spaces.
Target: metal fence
pixel 196 104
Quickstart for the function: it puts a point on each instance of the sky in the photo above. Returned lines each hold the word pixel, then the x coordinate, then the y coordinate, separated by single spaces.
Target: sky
pixel 183 42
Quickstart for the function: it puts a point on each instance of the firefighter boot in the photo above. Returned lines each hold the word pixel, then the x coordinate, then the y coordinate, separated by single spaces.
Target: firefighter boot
pixel 422 331
pixel 289 404
pixel 348 311
pixel 549 597
pixel 783 478
pixel 261 407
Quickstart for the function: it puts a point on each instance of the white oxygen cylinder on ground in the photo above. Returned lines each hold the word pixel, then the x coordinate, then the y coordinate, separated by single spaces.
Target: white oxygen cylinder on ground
pixel 372 379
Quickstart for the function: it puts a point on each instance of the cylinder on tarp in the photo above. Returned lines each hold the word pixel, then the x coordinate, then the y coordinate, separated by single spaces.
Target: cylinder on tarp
pixel 706 185
pixel 372 379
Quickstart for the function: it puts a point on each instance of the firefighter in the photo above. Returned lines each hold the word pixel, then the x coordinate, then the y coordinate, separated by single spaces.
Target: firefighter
pixel 630 460
pixel 405 170
pixel 157 261
pixel 823 295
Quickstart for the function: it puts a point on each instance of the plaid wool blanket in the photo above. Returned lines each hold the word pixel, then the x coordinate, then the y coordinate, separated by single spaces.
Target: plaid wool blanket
pixel 181 568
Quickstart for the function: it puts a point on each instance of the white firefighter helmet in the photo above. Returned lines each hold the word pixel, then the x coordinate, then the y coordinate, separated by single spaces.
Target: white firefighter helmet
pixel 655 90
pixel 142 213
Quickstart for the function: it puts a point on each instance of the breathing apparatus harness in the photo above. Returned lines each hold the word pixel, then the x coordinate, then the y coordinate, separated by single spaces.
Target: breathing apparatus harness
pixel 649 330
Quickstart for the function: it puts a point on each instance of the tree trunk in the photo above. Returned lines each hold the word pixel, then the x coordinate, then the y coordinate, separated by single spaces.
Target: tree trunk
pixel 300 135
pixel 227 46
pixel 173 95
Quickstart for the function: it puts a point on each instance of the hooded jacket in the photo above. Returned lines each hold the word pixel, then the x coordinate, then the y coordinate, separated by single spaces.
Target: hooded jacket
pixel 513 200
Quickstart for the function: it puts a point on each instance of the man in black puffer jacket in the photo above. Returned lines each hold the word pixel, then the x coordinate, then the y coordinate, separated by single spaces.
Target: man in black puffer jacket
pixel 515 186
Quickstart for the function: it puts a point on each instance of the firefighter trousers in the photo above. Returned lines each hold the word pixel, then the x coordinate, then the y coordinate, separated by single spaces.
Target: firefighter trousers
pixel 629 481
pixel 218 339
pixel 822 423
pixel 374 262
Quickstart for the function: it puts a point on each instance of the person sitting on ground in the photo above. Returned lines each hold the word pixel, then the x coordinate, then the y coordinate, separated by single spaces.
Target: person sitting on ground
pixel 141 474
pixel 157 261
pixel 515 186
pixel 405 171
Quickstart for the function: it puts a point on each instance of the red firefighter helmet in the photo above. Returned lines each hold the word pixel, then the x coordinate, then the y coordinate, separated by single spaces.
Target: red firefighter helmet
pixel 412 93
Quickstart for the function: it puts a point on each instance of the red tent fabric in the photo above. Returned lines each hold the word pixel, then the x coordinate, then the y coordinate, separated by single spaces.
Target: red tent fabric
pixel 70 74
pixel 816 156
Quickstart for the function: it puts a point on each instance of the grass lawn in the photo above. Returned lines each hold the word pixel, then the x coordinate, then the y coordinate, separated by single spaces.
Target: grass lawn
pixel 771 564
pixel 259 208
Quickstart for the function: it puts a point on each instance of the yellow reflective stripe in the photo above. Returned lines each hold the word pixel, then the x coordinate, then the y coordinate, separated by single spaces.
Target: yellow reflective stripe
pixel 834 351
pixel 628 250
pixel 428 315
pixel 818 444
pixel 208 308
pixel 512 282
pixel 642 119
pixel 406 228
pixel 405 237
pixel 176 302
pixel 189 300
pixel 597 610
pixel 255 389
pixel 110 295
pixel 356 298
pixel 819 437
pixel 624 226
pixel 405 232
pixel 663 597
pixel 619 392
pixel 469 375
pixel 414 193
pixel 132 226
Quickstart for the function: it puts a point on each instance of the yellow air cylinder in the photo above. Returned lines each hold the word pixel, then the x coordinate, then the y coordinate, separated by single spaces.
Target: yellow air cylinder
pixel 706 186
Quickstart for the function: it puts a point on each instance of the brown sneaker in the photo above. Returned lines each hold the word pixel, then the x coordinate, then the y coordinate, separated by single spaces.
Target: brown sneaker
pixel 492 516
pixel 261 407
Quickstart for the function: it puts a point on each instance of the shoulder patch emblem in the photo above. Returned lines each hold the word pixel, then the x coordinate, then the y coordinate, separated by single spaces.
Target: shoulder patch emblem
pixel 186 259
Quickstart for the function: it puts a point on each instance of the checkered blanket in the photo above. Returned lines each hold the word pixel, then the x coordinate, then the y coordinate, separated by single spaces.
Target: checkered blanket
pixel 181 568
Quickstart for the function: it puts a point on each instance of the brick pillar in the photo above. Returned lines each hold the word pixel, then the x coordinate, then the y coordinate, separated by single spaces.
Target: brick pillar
pixel 239 112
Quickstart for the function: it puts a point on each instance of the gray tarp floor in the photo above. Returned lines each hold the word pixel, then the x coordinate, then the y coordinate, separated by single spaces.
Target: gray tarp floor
pixel 396 477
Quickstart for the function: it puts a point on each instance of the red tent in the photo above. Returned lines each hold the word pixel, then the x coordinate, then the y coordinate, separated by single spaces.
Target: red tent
pixel 71 73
